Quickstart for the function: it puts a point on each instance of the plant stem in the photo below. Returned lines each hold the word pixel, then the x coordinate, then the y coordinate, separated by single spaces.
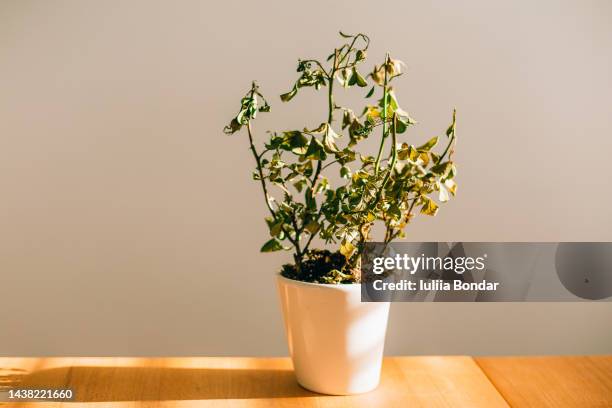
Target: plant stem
pixel 260 170
pixel 263 181
pixel 365 38
pixel 338 60
pixel 361 243
pixel 452 137
pixel 330 114
pixel 392 233
pixel 319 64
pixel 384 116
pixel 330 119
pixel 297 237
pixel 330 96
pixel 329 164
pixel 393 161
pixel 312 235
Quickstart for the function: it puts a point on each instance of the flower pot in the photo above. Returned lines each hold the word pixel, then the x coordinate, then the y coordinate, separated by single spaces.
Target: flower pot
pixel 336 342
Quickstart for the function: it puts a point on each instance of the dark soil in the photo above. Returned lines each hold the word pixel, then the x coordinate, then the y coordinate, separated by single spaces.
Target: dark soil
pixel 321 266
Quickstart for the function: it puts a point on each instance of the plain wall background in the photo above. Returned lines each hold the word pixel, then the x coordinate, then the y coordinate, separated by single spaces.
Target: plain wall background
pixel 129 224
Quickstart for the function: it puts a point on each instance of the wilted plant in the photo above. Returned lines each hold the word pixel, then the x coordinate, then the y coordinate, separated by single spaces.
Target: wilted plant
pixel 388 187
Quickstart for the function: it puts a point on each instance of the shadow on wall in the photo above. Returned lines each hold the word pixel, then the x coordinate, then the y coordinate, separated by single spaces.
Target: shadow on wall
pixel 106 384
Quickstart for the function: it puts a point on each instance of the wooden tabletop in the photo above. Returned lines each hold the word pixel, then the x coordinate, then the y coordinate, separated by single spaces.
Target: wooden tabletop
pixel 269 382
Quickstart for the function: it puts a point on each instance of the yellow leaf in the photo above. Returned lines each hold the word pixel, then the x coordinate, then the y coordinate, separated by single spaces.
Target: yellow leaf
pixel 429 206
pixel 424 158
pixel 347 248
pixel 413 154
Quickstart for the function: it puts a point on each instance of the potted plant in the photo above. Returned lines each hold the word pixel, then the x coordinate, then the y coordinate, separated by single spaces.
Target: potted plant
pixel 335 340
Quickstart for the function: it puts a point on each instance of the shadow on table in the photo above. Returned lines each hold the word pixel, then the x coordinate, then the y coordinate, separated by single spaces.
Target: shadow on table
pixel 10 377
pixel 106 384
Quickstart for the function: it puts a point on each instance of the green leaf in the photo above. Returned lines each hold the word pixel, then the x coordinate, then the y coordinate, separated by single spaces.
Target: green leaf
pixel 400 126
pixel 272 246
pixel 451 129
pixel 357 131
pixel 361 82
pixel 434 157
pixel 312 227
pixel 321 185
pixel 394 211
pixel 356 79
pixel 442 169
pixel 347 118
pixel 233 127
pixel 296 141
pixel 306 169
pixel 315 150
pixel 345 172
pixel 275 226
pixel 370 92
pixel 311 202
pixel 345 156
pixel 299 185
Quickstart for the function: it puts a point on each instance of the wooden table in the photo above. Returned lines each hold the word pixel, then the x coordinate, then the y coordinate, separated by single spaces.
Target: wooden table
pixel 269 382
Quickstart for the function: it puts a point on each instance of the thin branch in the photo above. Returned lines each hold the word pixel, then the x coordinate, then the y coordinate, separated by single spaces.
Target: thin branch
pixel 393 160
pixel 396 231
pixel 330 114
pixel 312 235
pixel 320 66
pixel 384 116
pixel 330 163
pixel 297 236
pixel 365 38
pixel 452 137
pixel 260 170
pixel 263 182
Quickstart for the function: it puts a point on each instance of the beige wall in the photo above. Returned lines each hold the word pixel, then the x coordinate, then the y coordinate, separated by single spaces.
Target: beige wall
pixel 129 223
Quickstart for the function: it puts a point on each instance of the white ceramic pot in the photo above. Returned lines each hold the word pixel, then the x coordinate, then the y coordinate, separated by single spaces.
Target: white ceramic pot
pixel 336 341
